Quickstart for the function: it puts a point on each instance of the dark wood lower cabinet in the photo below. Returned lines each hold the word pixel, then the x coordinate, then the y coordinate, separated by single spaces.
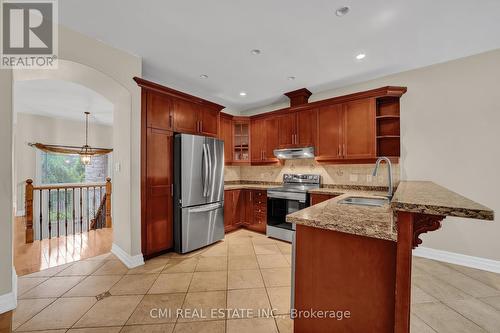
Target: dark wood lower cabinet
pixel 353 276
pixel 258 210
pixel 245 208
pixel 316 198
pixel 157 231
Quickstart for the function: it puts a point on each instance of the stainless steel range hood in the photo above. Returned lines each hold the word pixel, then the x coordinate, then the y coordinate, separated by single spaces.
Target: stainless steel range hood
pixel 294 153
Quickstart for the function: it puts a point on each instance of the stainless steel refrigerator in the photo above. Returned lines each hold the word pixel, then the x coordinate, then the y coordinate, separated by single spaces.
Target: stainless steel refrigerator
pixel 198 191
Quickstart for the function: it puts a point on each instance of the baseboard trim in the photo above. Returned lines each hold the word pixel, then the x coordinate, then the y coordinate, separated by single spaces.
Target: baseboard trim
pixel 126 259
pixel 9 301
pixel 458 259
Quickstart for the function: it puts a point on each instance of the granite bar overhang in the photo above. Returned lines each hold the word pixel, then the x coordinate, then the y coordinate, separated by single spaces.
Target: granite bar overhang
pixel 422 197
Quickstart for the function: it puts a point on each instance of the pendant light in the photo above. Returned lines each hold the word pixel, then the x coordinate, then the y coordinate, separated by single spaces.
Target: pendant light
pixel 86 152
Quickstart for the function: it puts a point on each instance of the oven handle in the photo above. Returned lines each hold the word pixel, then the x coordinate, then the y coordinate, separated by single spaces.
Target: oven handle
pixel 286 196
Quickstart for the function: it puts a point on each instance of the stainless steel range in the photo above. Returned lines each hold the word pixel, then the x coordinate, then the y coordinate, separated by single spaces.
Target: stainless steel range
pixel 289 198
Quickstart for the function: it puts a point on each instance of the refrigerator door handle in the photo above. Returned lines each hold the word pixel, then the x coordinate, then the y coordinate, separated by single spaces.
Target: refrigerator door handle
pixel 206 208
pixel 210 180
pixel 205 170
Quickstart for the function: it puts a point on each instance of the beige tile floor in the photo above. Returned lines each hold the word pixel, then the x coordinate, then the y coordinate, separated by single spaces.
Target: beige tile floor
pixel 245 271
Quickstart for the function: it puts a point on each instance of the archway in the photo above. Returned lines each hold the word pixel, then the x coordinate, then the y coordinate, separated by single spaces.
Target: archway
pixel 121 99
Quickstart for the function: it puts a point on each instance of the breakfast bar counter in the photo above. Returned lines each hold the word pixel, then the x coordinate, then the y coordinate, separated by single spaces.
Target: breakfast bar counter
pixel 356 258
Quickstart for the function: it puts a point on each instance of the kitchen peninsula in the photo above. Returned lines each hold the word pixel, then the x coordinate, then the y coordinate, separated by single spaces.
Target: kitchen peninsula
pixel 375 287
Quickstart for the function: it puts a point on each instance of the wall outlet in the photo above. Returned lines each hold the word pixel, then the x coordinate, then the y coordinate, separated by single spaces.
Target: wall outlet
pixel 118 167
pixel 353 177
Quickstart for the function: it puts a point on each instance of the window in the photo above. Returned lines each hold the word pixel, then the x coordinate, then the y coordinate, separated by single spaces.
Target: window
pixel 68 169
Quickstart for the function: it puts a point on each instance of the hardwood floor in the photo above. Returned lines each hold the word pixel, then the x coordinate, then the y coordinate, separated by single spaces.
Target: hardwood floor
pixel 244 271
pixel 33 257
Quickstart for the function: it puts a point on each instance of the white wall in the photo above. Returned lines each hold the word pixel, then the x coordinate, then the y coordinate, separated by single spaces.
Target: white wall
pixel 49 130
pixel 111 71
pixel 121 67
pixel 450 119
pixel 6 213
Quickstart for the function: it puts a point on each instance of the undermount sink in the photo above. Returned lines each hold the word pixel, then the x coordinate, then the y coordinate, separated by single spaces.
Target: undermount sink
pixel 362 201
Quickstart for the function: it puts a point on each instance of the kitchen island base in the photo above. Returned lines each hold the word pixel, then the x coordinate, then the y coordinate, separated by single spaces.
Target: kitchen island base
pixel 349 280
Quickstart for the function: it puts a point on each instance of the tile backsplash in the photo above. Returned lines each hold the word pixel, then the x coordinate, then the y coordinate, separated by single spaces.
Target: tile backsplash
pixel 339 174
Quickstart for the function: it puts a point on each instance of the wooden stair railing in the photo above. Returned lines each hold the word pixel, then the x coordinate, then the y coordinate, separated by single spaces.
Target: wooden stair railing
pixel 100 216
pixel 72 210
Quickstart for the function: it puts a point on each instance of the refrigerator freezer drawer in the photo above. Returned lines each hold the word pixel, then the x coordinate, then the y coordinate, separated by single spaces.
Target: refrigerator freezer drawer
pixel 201 226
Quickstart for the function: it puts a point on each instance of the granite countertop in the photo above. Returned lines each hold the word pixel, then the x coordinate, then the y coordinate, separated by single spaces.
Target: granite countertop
pixel 327 189
pixel 353 189
pixel 379 222
pixel 249 186
pixel 429 198
pixel 376 222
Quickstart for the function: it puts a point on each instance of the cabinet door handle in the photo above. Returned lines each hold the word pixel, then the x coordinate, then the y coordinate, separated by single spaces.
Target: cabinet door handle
pixel 343 150
pixel 201 126
pixel 170 120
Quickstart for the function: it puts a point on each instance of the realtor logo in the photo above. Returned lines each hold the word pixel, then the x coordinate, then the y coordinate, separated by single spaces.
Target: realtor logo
pixel 29 34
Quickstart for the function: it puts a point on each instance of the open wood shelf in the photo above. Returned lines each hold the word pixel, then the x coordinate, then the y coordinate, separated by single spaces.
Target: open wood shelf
pixel 388 127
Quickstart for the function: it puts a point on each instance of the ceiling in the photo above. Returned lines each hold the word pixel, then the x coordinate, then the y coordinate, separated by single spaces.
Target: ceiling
pixel 61 99
pixel 179 40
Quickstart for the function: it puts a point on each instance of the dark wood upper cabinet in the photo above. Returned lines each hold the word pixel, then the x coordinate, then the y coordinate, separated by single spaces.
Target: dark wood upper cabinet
pixel 195 119
pixel 159 111
pixel 287 128
pixel 257 128
pixel 307 127
pixel 347 131
pixel 265 137
pixel 359 129
pixel 297 128
pixel 329 135
pixel 171 109
pixel 186 117
pixel 241 140
pixel 209 121
pixel 226 135
pixel 271 138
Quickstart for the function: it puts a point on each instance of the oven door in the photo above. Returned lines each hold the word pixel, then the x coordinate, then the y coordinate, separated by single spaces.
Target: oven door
pixel 280 204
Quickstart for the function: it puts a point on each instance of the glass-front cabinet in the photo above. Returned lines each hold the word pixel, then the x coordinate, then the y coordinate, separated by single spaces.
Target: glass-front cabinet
pixel 241 141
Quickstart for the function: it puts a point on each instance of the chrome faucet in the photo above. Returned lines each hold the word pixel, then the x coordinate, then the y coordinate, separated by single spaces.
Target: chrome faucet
pixel 389 169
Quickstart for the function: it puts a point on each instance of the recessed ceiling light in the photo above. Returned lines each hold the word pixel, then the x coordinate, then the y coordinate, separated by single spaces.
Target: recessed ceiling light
pixel 256 52
pixel 360 56
pixel 291 78
pixel 243 93
pixel 342 11
pixel 203 76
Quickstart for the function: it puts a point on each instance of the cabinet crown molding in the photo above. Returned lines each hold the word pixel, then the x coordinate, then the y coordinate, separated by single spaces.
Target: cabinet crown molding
pixel 152 86
pixel 298 97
